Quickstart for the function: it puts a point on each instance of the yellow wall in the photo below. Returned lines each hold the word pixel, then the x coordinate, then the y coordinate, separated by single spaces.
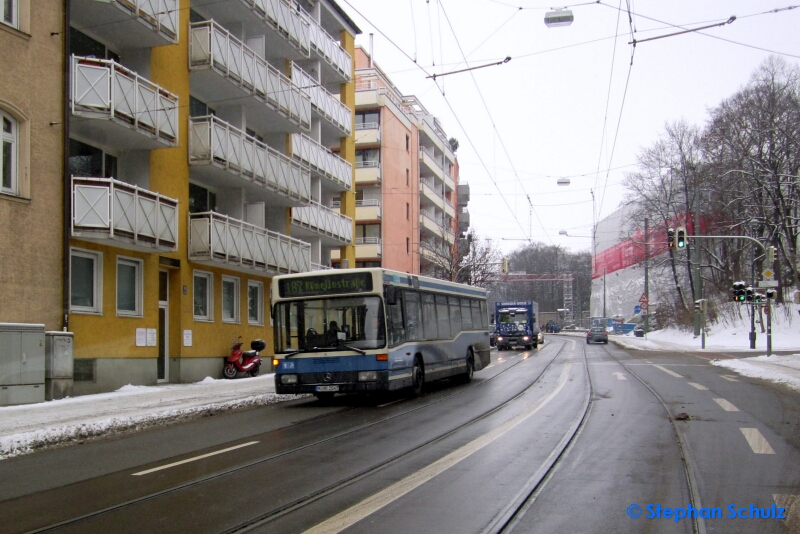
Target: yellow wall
pixel 347 149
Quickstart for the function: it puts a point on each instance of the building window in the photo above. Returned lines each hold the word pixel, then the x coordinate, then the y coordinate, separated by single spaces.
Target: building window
pixel 408 177
pixel 408 245
pixel 230 299
pixel 371 118
pixel 203 292
pixel 86 281
pixel 8 154
pixel 9 11
pixel 408 211
pixel 198 108
pixel 408 143
pixel 88 161
pixel 129 287
pixel 81 44
pixel 255 303
pixel 201 199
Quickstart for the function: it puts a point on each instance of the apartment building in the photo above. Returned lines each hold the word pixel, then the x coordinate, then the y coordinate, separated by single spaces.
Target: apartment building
pixel 200 165
pixel 31 163
pixel 409 204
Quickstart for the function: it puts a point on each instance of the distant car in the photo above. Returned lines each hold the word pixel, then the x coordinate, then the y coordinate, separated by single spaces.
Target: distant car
pixel 541 337
pixel 597 334
pixel 492 335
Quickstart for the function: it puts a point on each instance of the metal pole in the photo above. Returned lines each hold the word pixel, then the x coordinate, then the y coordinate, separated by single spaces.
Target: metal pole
pixel 646 273
pixel 753 309
pixel 769 328
pixel 604 296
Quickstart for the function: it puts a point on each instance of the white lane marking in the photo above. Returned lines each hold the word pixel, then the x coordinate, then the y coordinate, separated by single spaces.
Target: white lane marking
pixel 727 406
pixel 791 504
pixel 729 378
pixel 757 441
pixel 698 386
pixel 676 375
pixel 374 503
pixel 619 376
pixel 186 461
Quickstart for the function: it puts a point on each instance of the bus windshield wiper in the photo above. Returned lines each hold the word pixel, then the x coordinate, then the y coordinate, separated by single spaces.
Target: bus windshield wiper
pixel 354 349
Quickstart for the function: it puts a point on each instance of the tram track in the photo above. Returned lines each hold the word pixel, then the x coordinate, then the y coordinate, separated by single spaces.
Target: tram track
pixel 300 502
pixel 509 518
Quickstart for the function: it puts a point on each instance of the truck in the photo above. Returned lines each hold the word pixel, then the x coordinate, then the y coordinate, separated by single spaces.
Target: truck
pixel 516 324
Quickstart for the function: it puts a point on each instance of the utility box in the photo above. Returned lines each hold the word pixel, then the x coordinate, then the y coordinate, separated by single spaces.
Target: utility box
pixel 21 363
pixel 58 366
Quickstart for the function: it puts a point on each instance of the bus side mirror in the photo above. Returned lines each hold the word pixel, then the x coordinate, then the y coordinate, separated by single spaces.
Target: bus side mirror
pixel 391 295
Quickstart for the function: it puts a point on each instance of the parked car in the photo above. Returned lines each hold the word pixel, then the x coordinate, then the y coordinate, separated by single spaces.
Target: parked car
pixel 541 337
pixel 597 334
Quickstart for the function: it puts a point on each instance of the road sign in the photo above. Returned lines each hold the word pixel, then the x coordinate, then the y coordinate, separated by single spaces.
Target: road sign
pixel 768 273
pixel 643 299
pixel 637 309
pixel 766 310
pixel 768 283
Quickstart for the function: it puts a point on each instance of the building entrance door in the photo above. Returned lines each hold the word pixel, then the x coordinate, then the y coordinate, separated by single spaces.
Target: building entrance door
pixel 163 326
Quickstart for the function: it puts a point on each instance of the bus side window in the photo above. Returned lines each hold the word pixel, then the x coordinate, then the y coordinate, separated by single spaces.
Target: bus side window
pixel 484 315
pixel 429 317
pixel 477 321
pixel 466 315
pixel 394 316
pixel 455 316
pixel 413 316
pixel 443 316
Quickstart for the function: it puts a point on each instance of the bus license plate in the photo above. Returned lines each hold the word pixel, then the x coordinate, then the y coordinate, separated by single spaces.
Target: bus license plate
pixel 327 388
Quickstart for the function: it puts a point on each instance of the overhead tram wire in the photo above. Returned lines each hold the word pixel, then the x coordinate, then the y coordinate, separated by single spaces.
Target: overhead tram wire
pixel 494 126
pixel 469 139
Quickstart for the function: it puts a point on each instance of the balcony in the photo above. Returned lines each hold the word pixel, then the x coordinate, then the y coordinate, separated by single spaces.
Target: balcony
pixel 366 248
pixel 126 110
pixel 221 153
pixel 285 27
pixel 317 220
pixel 335 60
pixel 427 158
pixel 463 220
pixel 463 194
pixel 325 104
pixel 427 193
pixel 368 133
pixel 221 240
pixel 368 172
pixel 366 210
pixel 428 223
pixel 224 69
pixel 322 161
pixel 128 24
pixel 449 183
pixel 319 267
pixel 104 209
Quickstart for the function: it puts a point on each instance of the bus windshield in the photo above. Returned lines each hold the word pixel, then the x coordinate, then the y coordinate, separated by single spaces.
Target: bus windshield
pixel 330 324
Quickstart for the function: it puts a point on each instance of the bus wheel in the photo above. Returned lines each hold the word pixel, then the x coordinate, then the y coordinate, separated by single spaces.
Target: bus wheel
pixel 417 378
pixel 467 376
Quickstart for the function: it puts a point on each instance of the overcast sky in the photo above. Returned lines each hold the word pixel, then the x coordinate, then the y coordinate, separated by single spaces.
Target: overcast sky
pixel 568 96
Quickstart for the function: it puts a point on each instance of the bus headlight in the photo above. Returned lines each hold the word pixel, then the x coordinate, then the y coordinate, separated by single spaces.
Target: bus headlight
pixel 367 376
pixel 526 338
pixel 288 379
pixel 499 338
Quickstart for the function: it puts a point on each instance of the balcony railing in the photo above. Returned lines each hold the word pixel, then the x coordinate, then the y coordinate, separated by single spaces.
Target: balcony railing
pixel 214 237
pixel 368 172
pixel 105 89
pixel 104 208
pixel 368 133
pixel 368 241
pixel 213 141
pixel 330 50
pixel 129 23
pixel 323 101
pixel 287 19
pixel 213 46
pixel 322 160
pixel 324 220
pixel 320 267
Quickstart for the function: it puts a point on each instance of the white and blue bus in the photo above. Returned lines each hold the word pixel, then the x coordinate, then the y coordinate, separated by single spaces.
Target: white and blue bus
pixel 360 330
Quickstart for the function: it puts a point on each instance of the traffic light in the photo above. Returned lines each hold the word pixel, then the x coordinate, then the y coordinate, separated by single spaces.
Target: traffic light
pixel 738 291
pixel 680 237
pixel 700 306
pixel 758 298
pixel 770 255
pixel 504 266
pixel 771 294
pixel 749 294
pixel 671 237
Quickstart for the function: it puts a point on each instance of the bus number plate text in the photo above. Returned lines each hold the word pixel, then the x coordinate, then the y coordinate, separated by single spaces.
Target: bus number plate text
pixel 327 388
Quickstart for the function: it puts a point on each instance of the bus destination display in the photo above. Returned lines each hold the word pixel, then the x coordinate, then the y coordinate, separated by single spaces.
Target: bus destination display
pixel 327 284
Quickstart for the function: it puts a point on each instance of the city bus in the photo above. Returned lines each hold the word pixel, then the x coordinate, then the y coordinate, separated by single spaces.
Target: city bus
pixel 367 330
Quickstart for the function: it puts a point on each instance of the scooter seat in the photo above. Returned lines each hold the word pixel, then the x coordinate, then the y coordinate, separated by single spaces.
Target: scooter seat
pixel 249 353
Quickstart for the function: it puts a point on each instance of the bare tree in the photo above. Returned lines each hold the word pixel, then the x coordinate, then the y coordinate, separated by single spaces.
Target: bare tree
pixel 470 260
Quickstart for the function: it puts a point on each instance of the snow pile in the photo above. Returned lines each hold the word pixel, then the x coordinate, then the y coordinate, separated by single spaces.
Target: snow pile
pixel 772 368
pixel 26 428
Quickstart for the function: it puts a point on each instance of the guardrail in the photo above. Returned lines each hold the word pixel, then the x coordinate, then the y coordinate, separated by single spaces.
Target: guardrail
pixel 213 46
pixel 217 237
pixel 104 87
pixel 108 208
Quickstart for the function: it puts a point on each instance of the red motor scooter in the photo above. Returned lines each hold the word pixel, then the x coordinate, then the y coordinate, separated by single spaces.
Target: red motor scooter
pixel 243 362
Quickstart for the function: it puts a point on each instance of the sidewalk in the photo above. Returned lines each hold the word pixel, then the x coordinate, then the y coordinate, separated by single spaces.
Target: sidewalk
pixel 29 427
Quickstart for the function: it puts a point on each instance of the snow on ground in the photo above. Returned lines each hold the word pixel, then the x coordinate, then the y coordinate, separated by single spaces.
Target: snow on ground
pixel 26 428
pixel 772 368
